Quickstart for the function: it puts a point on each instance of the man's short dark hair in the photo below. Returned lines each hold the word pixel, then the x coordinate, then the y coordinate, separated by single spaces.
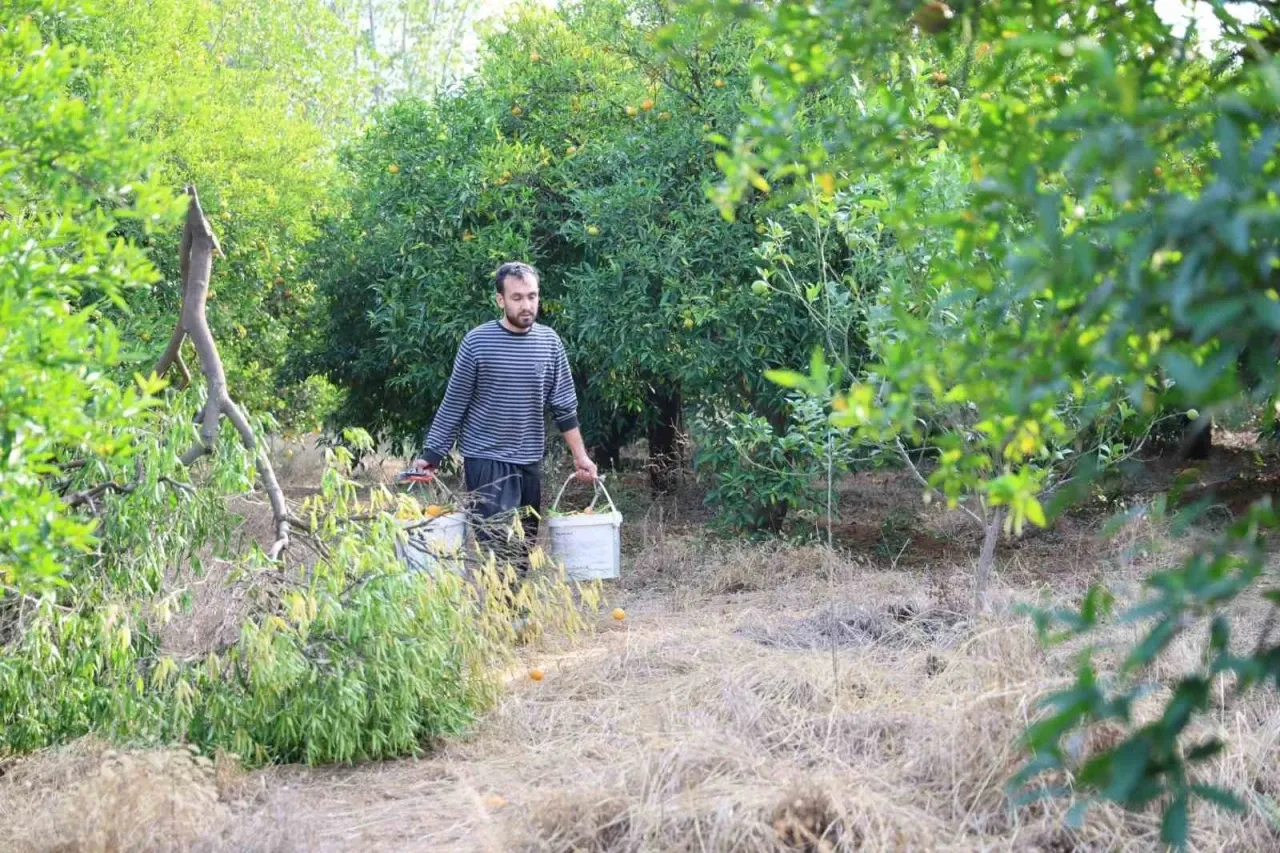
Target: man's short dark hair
pixel 514 269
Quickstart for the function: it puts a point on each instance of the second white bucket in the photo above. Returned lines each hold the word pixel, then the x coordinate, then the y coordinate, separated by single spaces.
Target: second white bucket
pixel 589 546
pixel 440 539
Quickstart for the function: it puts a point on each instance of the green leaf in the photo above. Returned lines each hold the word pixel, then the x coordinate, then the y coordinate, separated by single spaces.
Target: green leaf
pixel 1127 766
pixel 1173 826
pixel 1205 751
pixel 1097 604
pixel 1151 646
pixel 787 378
pixel 1220 797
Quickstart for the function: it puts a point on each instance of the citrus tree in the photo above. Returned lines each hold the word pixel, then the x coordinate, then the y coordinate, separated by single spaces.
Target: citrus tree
pixel 582 146
pixel 1118 240
pixel 74 177
pixel 240 101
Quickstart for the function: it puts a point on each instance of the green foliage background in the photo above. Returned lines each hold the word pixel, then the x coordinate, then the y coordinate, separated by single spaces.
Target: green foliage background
pixel 584 148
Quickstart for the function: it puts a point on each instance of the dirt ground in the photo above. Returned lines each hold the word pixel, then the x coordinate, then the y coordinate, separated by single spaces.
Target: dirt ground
pixel 756 697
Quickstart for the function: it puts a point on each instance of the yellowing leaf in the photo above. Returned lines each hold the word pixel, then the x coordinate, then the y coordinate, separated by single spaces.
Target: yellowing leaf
pixel 1035 512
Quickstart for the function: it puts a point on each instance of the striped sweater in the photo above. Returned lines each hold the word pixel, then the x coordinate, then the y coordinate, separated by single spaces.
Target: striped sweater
pixel 498 393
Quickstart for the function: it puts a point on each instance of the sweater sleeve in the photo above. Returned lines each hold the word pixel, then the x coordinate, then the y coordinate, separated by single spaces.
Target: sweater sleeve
pixel 563 398
pixel 457 399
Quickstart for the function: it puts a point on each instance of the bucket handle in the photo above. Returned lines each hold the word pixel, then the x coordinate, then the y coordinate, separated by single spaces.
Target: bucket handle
pixel 413 479
pixel 598 482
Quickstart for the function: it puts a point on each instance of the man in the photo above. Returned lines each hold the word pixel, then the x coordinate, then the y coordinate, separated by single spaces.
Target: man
pixel 506 374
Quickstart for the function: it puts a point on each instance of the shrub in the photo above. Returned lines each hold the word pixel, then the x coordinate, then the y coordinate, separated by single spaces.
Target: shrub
pixel 761 474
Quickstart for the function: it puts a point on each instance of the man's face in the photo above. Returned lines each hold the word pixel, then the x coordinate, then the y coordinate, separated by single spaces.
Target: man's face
pixel 519 299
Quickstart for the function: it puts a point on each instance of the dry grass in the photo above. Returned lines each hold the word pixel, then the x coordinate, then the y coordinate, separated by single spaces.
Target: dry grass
pixel 692 727
pixel 90 798
pixel 756 698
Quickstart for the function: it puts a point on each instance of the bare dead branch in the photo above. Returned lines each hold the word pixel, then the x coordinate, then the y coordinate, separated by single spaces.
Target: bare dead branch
pixel 87 496
pixel 182 368
pixel 198 247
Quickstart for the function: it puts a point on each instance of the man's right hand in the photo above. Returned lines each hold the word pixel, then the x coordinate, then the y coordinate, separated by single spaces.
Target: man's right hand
pixel 422 466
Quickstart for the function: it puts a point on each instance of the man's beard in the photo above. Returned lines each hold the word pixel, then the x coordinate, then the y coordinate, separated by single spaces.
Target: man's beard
pixel 523 320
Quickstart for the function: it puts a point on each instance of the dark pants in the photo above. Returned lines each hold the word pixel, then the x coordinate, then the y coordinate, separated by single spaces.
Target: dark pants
pixel 500 490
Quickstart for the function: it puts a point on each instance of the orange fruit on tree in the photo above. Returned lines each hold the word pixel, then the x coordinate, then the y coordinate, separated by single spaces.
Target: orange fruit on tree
pixel 646 104
pixel 515 111
pixel 719 83
pixel 631 110
pixel 393 169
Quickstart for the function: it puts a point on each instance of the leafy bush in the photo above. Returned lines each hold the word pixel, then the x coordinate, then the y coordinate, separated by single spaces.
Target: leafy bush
pixel 762 474
pixel 74 176
pixel 342 657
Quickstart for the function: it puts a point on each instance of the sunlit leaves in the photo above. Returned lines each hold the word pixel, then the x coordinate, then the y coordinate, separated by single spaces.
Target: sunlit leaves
pixel 1113 255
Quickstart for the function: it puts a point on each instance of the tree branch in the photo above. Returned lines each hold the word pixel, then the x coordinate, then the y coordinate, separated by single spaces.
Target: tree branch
pixel 182 368
pixel 86 497
pixel 173 351
pixel 198 247
pixel 914 470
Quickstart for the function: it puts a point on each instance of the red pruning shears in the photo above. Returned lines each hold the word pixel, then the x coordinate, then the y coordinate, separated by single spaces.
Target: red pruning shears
pixel 412 476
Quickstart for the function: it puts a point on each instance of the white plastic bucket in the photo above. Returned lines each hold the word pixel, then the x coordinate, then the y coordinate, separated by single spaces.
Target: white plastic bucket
pixel 588 546
pixel 430 542
pixel 440 539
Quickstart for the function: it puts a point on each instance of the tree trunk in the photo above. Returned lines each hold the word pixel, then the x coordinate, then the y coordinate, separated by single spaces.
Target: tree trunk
pixel 607 453
pixel 664 439
pixel 987 560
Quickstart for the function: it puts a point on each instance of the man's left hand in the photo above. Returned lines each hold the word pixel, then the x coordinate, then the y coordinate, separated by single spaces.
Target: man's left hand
pixel 586 470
